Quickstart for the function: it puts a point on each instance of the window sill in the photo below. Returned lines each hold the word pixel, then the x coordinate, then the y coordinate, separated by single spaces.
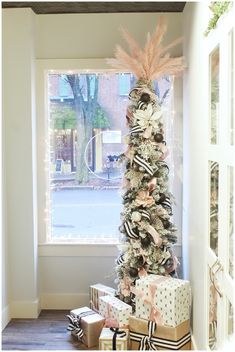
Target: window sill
pixel 77 250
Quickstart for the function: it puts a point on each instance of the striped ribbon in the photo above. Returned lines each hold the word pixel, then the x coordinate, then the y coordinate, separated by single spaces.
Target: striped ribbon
pixel 136 129
pixel 149 342
pixel 144 164
pixel 144 213
pixel 129 230
pixel 74 324
pixel 116 332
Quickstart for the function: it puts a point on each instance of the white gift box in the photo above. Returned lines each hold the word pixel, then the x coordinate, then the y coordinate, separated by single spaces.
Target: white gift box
pixel 169 298
pixel 99 290
pixel 113 309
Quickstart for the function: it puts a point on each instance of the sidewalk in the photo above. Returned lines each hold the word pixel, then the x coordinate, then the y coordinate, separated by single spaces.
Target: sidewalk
pixel 68 181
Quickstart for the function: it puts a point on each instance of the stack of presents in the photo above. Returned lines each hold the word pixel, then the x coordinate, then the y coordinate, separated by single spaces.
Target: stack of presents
pixel 160 322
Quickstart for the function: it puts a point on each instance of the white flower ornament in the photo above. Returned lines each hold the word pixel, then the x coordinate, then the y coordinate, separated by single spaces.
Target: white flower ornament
pixel 147 119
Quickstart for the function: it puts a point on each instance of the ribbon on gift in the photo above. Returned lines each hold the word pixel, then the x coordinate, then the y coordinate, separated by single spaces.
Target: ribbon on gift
pixel 74 324
pixel 110 322
pixel 145 342
pixel 116 332
pixel 155 313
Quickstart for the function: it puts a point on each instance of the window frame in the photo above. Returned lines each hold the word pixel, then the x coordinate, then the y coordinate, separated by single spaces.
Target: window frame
pixel 62 248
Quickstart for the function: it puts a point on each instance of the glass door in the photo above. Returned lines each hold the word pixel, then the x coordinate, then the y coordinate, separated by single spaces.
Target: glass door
pixel 221 153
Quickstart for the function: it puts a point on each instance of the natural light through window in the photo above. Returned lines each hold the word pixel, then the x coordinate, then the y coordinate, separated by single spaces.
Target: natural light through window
pixel 86 128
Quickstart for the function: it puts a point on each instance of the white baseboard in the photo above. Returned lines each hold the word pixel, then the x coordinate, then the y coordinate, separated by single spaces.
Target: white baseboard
pixel 63 301
pixel 6 317
pixel 25 309
pixel 193 343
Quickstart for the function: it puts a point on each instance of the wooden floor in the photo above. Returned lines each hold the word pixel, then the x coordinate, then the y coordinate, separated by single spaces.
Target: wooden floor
pixel 48 332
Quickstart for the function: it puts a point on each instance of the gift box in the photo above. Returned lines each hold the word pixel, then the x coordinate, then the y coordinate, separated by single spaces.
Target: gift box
pixel 114 339
pixel 148 335
pixel 99 290
pixel 115 311
pixel 163 299
pixel 86 325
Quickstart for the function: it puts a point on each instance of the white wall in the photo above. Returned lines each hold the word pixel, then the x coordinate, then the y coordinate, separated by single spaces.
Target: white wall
pixel 19 118
pixel 195 19
pixel 64 278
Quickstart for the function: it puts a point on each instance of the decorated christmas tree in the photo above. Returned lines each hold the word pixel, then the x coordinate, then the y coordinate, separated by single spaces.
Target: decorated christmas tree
pixel 147 230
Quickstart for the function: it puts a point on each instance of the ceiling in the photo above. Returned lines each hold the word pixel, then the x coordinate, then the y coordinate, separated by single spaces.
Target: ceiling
pixel 97 7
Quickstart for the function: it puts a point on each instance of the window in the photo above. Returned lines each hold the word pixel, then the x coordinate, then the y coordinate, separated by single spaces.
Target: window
pixel 86 126
pixel 124 81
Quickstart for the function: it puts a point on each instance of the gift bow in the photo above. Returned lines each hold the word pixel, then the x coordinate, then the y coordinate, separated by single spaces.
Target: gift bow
pixel 145 342
pixel 116 332
pixel 155 313
pixel 110 322
pixel 74 325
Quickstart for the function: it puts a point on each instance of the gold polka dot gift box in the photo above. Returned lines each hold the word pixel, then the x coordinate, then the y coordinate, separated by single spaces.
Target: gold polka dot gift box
pixel 163 299
pixel 148 335
pixel 115 311
pixel 97 291
pixel 86 325
pixel 114 339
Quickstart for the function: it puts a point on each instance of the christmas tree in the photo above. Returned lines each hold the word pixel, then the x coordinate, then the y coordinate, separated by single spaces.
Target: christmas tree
pixel 147 230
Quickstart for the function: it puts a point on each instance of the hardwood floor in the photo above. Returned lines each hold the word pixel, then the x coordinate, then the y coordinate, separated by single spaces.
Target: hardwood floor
pixel 48 332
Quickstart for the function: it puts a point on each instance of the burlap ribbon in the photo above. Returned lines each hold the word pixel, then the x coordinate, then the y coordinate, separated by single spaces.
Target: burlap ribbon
pixel 116 332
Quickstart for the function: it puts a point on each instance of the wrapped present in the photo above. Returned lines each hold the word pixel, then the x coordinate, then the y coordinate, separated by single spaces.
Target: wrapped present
pixel 115 311
pixel 99 290
pixel 114 339
pixel 86 325
pixel 162 299
pixel 147 335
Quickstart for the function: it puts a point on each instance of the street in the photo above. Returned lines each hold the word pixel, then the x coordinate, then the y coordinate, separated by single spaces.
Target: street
pixel 85 213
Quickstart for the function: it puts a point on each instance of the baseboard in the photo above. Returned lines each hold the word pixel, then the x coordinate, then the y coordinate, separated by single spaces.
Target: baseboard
pixel 193 343
pixel 6 317
pixel 63 301
pixel 25 309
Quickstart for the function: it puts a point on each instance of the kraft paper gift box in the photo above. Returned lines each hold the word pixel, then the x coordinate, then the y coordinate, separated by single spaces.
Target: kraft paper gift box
pixel 146 335
pixel 99 290
pixel 114 339
pixel 115 311
pixel 86 325
pixel 168 297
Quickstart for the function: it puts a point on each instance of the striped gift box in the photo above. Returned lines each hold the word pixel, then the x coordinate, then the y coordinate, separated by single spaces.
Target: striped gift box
pixel 97 291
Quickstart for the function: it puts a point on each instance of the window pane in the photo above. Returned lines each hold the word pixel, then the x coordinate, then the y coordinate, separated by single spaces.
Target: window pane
pixel 124 83
pixel 214 95
pixel 87 125
pixel 212 316
pixel 231 224
pixel 214 194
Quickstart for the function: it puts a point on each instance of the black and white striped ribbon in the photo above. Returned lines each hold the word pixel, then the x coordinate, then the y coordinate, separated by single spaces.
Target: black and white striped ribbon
pixel 120 260
pixel 74 326
pixel 145 342
pixel 129 230
pixel 136 129
pixel 144 213
pixel 160 343
pixel 141 105
pixel 144 164
pixel 166 203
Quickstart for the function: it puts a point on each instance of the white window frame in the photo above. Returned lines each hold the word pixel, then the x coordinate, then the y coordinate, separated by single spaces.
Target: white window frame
pixel 61 248
pixel 222 153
